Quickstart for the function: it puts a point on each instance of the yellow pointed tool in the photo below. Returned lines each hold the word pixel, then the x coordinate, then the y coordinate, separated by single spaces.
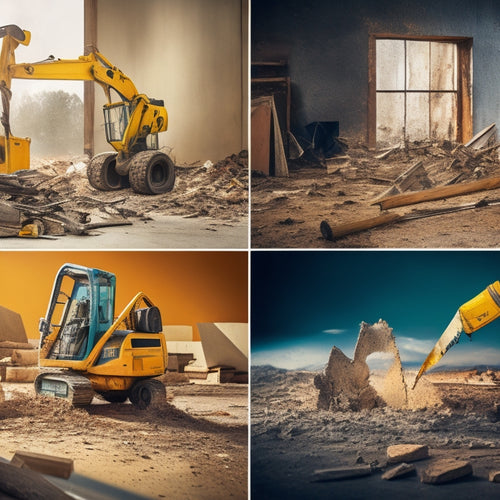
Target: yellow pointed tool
pixel 470 317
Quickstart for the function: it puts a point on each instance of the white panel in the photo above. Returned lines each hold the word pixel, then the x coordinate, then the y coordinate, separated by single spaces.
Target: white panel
pixel 443 66
pixel 417 65
pixel 417 116
pixel 390 118
pixel 390 69
pixel 443 116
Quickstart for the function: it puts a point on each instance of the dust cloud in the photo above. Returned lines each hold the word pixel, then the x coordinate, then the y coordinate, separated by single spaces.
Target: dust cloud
pixel 347 384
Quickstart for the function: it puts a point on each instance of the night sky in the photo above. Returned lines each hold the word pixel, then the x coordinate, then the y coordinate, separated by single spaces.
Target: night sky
pixel 305 302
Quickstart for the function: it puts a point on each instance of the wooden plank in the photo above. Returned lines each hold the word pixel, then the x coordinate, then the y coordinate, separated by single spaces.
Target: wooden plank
pixel 44 464
pixel 261 136
pixel 9 216
pixel 331 233
pixel 480 140
pixel 8 344
pixel 27 484
pixel 438 193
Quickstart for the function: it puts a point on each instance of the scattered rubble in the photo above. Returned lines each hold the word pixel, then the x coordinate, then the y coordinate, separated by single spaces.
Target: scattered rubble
pixel 55 198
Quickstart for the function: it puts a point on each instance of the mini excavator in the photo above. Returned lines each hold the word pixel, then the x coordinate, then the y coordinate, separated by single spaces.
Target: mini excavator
pixel 132 124
pixel 470 317
pixel 84 350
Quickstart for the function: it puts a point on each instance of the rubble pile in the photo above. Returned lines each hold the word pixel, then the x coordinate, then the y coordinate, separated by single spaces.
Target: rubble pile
pixel 55 197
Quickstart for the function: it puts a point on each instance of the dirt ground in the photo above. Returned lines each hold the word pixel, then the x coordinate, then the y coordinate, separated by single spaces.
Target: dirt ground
pixel 56 194
pixel 287 211
pixel 195 446
pixel 290 438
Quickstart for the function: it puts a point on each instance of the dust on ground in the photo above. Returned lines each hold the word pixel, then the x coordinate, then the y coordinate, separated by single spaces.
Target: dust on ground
pixel 291 438
pixel 60 187
pixel 184 451
pixel 287 211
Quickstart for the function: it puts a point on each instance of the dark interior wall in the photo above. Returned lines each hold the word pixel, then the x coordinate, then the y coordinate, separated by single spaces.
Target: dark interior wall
pixel 326 44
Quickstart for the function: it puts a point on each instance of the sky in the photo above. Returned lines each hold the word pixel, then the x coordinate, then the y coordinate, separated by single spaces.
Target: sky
pixel 303 303
pixel 56 28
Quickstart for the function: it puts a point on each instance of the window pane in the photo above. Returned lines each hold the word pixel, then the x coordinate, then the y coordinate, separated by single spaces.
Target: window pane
pixel 390 64
pixel 417 116
pixel 417 65
pixel 443 66
pixel 390 118
pixel 443 116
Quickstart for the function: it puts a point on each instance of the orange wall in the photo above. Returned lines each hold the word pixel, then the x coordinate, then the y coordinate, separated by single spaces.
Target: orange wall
pixel 188 287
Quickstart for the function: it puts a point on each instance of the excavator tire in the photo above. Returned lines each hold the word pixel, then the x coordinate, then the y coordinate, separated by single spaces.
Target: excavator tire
pixel 102 174
pixel 151 172
pixel 74 388
pixel 148 393
pixel 115 396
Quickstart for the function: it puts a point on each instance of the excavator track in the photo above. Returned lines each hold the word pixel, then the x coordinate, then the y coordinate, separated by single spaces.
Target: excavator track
pixel 72 387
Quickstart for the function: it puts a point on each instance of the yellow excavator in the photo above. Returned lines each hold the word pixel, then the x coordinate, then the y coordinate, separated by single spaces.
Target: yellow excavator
pixel 84 350
pixel 132 124
pixel 470 317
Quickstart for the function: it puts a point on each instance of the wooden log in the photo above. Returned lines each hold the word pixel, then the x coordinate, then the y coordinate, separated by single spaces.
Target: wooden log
pixel 21 373
pixel 24 357
pixel 26 484
pixel 332 233
pixel 44 464
pixel 438 193
pixel 9 344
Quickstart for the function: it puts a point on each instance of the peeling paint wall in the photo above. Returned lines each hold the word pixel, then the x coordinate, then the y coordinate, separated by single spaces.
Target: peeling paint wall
pixel 326 44
pixel 193 55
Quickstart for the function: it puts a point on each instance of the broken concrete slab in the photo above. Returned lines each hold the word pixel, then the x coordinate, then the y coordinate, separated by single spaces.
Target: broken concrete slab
pixel 407 453
pixel 400 470
pixel 339 473
pixel 494 476
pixel 446 470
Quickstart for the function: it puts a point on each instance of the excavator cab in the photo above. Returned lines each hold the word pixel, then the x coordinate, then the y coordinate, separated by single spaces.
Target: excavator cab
pixel 80 312
pixel 85 350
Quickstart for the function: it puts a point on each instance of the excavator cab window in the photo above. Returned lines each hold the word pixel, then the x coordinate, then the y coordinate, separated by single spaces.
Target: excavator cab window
pixel 116 118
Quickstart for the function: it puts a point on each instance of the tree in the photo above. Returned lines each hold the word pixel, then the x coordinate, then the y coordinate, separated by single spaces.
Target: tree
pixel 52 119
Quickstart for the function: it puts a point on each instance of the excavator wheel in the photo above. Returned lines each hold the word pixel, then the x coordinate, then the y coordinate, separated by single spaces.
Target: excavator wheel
pixel 151 172
pixel 148 393
pixel 115 396
pixel 102 174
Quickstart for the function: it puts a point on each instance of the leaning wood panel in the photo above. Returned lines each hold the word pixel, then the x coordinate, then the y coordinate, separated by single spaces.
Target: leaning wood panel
pixel 438 193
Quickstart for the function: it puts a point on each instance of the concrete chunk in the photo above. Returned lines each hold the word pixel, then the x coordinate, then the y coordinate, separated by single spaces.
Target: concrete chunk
pixel 399 471
pixel 446 470
pixel 494 476
pixel 406 453
pixel 339 473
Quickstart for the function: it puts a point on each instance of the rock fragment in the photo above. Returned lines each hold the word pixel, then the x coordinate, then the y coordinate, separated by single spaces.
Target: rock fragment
pixel 406 453
pixel 339 473
pixel 446 470
pixel 399 471
pixel 494 476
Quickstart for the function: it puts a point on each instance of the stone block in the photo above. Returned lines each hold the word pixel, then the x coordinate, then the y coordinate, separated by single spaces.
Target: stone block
pixel 446 470
pixel 494 476
pixel 406 453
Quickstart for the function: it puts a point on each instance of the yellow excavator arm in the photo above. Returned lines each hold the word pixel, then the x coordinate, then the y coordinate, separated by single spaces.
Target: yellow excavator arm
pixel 470 317
pixel 128 123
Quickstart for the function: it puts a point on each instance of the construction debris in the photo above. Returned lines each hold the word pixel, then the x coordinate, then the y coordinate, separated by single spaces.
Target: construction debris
pixel 45 464
pixel 446 470
pixel 494 476
pixel 52 200
pixel 406 453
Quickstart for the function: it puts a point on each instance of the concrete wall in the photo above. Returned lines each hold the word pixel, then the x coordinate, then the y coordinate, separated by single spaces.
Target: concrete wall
pixel 193 55
pixel 326 44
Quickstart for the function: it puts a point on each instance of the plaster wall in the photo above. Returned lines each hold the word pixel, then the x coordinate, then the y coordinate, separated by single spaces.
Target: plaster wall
pixel 193 55
pixel 326 44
